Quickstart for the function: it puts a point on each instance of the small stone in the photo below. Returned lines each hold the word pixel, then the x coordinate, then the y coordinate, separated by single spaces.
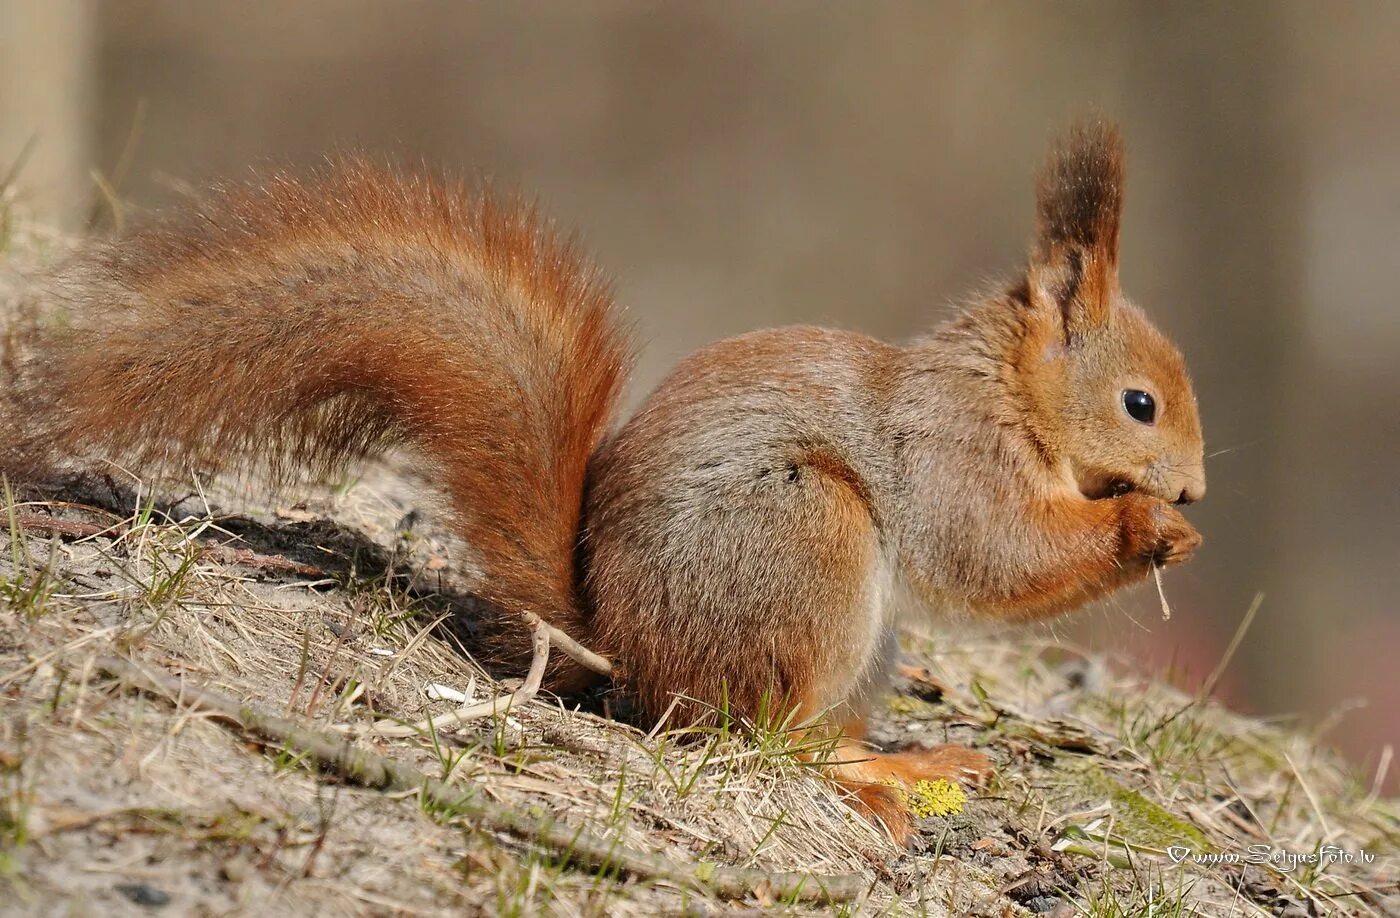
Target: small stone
pixel 144 894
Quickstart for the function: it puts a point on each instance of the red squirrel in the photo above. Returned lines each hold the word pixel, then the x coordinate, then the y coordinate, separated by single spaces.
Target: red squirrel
pixel 754 532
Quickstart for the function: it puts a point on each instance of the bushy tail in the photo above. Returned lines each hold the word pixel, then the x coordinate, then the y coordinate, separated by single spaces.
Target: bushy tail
pixel 296 325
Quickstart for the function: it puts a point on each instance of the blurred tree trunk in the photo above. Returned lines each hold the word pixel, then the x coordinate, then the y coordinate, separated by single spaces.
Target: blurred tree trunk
pixel 45 104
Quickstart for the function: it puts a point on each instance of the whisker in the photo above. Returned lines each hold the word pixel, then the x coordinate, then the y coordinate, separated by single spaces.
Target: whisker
pixel 1158 469
pixel 1124 612
pixel 1231 449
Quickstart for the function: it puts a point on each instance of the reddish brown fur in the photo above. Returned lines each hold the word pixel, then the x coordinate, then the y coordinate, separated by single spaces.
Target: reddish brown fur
pixel 962 467
pixel 878 782
pixel 753 535
pixel 1079 194
pixel 1079 198
pixel 304 324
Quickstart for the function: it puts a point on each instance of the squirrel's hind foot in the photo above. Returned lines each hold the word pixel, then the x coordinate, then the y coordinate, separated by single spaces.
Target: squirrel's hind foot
pixel 879 785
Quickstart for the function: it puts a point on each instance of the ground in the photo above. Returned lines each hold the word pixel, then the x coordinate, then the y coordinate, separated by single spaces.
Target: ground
pixel 330 607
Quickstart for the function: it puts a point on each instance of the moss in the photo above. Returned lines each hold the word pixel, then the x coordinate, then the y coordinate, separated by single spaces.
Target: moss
pixel 1139 820
pixel 908 706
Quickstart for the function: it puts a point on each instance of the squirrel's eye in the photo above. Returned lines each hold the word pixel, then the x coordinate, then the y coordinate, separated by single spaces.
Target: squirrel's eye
pixel 1140 406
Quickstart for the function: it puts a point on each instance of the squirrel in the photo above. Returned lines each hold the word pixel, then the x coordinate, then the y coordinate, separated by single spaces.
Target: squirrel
pixel 753 534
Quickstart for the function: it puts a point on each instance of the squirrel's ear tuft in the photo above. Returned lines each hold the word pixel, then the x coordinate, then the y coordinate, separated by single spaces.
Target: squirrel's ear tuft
pixel 1079 198
pixel 1080 191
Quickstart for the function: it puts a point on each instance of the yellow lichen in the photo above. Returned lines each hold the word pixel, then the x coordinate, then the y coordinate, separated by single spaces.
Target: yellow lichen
pixel 936 798
pixel 930 798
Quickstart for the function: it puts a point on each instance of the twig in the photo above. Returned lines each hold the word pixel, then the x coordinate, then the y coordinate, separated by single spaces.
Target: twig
pixel 1161 594
pixel 543 635
pixel 540 639
pixel 335 755
pixel 246 557
pixel 570 647
pixel 70 528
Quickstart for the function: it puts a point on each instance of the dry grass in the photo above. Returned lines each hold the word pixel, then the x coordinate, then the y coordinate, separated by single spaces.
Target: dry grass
pixel 111 798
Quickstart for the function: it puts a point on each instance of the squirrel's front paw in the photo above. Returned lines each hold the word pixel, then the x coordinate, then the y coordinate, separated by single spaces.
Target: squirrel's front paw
pixel 1156 532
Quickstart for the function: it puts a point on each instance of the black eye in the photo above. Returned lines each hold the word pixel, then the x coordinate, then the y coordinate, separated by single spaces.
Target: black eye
pixel 1140 406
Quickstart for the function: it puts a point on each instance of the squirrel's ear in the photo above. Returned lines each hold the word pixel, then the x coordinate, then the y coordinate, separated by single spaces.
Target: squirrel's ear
pixel 1079 197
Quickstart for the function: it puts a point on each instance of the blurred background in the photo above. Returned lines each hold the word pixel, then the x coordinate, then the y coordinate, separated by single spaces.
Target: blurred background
pixel 737 165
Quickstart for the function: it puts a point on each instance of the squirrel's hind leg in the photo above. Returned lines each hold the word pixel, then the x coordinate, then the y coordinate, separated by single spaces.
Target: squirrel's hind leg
pixel 771 601
pixel 759 594
pixel 877 784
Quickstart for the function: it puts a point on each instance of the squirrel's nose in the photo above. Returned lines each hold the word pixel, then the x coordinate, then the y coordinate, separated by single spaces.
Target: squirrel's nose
pixel 1190 494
